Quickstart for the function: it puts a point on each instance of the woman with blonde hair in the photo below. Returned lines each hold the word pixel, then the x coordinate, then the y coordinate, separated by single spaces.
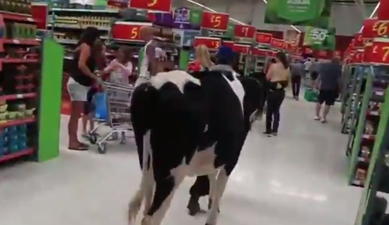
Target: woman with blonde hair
pixel 202 61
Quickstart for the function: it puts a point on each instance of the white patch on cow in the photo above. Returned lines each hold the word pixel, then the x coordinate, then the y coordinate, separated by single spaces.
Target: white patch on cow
pixel 177 77
pixel 237 87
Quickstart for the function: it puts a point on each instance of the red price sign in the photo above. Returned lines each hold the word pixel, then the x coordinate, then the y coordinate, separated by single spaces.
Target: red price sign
pixel 127 31
pixel 215 21
pixel 244 31
pixel 382 12
pixel 242 49
pixel 379 52
pixel 358 41
pixel 228 44
pixel 155 5
pixel 322 54
pixel 39 12
pixel 357 57
pixel 375 28
pixel 277 43
pixel 264 38
pixel 211 43
pixel 308 50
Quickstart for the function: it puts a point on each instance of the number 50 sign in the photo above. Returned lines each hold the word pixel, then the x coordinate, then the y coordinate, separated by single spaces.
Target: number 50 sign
pixel 378 52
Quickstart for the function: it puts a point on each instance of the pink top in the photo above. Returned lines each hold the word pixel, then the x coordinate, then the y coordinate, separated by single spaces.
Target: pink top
pixel 121 73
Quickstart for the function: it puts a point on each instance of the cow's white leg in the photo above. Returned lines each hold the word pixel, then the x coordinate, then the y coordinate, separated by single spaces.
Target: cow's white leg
pixel 221 183
pixel 212 188
pixel 164 192
pixel 149 188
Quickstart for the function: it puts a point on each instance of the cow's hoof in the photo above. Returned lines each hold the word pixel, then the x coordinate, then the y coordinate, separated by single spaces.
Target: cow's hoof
pixel 194 209
pixel 210 205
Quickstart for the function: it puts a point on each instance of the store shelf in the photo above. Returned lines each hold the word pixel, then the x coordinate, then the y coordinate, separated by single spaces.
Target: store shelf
pixel 22 41
pixel 25 152
pixel 17 96
pixel 14 60
pixel 17 122
pixel 16 16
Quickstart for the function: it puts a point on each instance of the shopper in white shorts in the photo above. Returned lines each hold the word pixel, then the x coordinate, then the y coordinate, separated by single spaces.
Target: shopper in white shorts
pixel 80 81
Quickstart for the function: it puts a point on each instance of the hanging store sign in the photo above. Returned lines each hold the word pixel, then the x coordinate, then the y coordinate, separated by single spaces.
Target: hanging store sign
pixel 277 43
pixel 382 12
pixel 215 21
pixel 375 28
pixel 241 49
pixel 128 31
pixel 263 38
pixel 155 5
pixel 211 43
pixel 244 31
pixel 378 52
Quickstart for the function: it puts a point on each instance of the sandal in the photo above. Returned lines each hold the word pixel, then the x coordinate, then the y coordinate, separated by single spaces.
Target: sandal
pixel 80 147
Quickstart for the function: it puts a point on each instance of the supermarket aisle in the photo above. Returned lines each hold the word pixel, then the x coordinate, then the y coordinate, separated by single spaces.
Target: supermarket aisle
pixel 296 178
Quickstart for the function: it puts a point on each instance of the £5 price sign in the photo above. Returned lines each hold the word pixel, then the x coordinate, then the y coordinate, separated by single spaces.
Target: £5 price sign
pixel 264 38
pixel 378 52
pixel 373 28
pixel 211 43
pixel 244 31
pixel 127 31
pixel 215 21
pixel 155 5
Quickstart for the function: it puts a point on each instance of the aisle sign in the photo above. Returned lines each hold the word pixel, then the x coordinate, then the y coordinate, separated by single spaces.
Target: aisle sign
pixel 277 43
pixel 215 21
pixel 379 51
pixel 315 13
pixel 155 5
pixel 128 31
pixel 211 43
pixel 244 31
pixel 241 49
pixel 375 28
pixel 264 38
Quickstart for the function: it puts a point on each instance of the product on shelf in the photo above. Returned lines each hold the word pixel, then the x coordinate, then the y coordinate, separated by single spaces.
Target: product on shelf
pixel 18 80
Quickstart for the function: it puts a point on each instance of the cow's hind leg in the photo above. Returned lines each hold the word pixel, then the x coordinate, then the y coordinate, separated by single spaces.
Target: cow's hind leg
pixel 163 195
pixel 221 183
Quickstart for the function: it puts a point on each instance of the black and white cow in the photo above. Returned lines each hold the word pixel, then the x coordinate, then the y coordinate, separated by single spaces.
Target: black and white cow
pixel 186 126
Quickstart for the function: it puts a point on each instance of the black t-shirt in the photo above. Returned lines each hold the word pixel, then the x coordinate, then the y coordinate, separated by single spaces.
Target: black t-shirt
pixel 78 75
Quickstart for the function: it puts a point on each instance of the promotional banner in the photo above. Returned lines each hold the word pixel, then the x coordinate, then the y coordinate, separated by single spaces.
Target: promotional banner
pixel 181 19
pixel 155 5
pixel 320 39
pixel 215 21
pixel 315 13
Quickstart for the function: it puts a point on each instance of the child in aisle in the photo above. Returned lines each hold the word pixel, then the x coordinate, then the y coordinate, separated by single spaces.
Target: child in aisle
pixel 121 67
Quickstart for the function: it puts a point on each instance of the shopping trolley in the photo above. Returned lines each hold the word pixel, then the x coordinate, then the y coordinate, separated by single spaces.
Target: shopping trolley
pixel 112 110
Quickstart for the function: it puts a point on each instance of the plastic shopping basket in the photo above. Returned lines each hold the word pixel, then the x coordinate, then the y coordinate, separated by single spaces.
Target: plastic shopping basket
pixel 311 95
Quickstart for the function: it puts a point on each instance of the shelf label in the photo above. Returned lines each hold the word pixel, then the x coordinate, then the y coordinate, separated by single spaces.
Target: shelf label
pixel 15 41
pixel 19 96
pixel 128 31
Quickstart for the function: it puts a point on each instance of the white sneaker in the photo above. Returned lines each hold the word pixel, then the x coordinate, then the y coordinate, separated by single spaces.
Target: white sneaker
pixel 316 118
pixel 323 120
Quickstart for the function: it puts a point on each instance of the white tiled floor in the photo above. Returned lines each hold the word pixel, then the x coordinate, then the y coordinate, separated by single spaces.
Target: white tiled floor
pixel 297 178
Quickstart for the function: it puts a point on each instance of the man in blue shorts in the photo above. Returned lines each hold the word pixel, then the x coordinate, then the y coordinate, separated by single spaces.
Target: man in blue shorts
pixel 328 83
